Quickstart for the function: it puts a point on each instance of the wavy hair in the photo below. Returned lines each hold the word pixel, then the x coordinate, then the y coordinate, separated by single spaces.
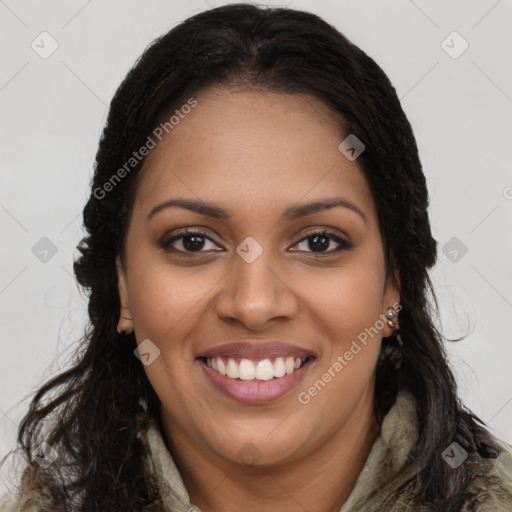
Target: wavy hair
pixel 90 412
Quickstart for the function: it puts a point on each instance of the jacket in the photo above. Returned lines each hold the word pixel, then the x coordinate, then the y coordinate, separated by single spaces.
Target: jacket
pixel 399 431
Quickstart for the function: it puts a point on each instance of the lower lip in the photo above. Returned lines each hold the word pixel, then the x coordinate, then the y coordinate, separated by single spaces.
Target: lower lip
pixel 256 391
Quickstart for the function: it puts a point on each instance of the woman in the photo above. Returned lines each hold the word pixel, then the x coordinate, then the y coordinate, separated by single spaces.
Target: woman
pixel 257 259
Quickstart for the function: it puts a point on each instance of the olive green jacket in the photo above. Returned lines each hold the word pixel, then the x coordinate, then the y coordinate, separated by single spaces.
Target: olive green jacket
pixel 492 489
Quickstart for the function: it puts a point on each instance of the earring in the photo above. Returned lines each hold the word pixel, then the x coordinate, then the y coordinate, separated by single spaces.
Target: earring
pixel 124 326
pixel 390 314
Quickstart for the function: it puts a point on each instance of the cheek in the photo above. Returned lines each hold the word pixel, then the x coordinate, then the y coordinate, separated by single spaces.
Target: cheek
pixel 167 305
pixel 350 300
pixel 350 314
pixel 167 302
pixel 348 307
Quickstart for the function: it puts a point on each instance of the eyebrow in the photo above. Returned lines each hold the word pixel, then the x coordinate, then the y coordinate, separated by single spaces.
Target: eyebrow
pixel 291 213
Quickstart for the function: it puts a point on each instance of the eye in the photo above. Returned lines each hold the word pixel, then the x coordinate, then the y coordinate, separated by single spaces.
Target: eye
pixel 320 240
pixel 188 241
pixel 194 241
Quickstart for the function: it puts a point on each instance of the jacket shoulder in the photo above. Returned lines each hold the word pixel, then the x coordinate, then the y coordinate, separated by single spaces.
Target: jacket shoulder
pixel 493 488
pixel 29 501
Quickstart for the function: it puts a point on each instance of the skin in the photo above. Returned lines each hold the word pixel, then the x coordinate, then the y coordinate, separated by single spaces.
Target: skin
pixel 257 153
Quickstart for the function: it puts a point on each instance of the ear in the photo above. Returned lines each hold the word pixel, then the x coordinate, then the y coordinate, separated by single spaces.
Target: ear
pixel 391 299
pixel 125 311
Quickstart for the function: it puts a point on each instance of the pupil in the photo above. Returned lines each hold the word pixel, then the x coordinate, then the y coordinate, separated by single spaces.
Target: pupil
pixel 193 242
pixel 315 240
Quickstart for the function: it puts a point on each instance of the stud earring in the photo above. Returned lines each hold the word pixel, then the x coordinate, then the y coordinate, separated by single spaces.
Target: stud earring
pixel 390 314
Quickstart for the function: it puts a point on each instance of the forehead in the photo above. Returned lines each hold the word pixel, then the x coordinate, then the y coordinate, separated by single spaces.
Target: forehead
pixel 251 148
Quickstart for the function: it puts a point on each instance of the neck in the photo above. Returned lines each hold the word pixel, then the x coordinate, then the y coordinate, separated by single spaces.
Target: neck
pixel 321 481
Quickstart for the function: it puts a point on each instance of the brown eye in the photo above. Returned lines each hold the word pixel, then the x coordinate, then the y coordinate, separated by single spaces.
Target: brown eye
pixel 319 241
pixel 188 242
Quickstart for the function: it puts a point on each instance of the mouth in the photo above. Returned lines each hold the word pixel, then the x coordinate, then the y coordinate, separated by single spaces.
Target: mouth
pixel 255 381
pixel 261 369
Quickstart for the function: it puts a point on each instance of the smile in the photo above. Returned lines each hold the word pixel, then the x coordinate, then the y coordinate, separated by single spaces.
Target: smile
pixel 264 369
pixel 255 381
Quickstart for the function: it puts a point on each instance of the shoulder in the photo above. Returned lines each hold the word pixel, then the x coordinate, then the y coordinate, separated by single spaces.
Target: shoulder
pixel 492 488
pixel 28 501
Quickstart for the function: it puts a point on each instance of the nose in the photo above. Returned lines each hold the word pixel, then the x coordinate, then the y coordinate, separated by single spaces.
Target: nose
pixel 255 293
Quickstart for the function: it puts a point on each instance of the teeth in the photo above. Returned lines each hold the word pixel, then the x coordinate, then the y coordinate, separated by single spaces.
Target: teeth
pixel 264 370
pixel 221 367
pixel 259 370
pixel 246 369
pixel 279 367
pixel 232 369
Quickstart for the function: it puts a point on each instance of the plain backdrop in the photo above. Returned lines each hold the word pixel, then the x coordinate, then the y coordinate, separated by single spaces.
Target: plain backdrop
pixel 450 63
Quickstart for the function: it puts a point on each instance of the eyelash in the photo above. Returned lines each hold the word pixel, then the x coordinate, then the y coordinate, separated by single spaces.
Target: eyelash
pixel 344 245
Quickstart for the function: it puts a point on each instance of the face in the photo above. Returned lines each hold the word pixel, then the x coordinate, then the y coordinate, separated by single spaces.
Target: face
pixel 260 272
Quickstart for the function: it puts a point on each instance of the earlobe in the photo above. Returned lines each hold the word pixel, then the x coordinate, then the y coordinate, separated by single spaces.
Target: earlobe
pixel 125 324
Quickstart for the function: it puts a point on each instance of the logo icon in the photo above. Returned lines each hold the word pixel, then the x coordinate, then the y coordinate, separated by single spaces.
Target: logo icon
pixel 147 352
pixel 44 45
pixel 454 45
pixel 352 147
pixel 454 455
pixel 249 454
pixel 454 249
pixel 249 249
pixel 44 455
pixel 44 250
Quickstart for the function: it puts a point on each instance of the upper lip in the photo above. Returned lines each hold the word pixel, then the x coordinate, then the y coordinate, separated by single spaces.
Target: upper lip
pixel 257 349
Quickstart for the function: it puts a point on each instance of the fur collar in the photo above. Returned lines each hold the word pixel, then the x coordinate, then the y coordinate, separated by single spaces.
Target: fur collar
pixel 399 431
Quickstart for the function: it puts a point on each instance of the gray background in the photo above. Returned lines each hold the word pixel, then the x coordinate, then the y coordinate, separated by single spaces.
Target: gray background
pixel 54 108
